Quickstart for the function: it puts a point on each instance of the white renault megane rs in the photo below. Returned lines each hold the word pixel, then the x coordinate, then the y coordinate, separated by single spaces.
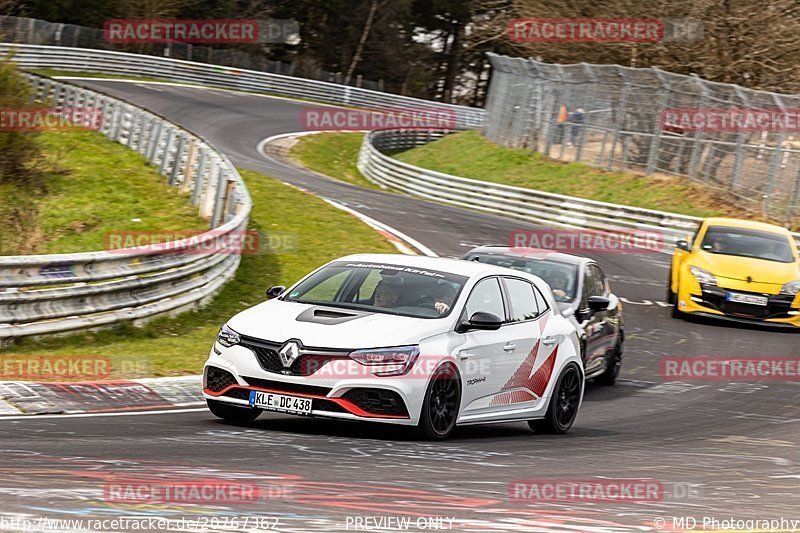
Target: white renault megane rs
pixel 416 341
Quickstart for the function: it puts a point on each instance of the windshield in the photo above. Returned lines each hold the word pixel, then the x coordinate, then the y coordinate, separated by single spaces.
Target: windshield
pixel 748 243
pixel 562 277
pixel 381 288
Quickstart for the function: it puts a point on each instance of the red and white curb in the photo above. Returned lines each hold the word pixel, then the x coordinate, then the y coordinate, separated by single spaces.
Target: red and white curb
pixel 42 398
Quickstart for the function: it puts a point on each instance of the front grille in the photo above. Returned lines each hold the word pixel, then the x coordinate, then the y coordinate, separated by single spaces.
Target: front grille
pixel 778 305
pixel 266 353
pixel 377 401
pixel 217 379
pixel 280 386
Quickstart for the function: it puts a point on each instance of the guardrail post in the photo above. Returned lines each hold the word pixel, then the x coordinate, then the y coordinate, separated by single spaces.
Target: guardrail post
pixel 222 179
pixel 176 166
pixel 201 174
pixel 154 140
pixel 134 124
pixel 162 167
pixel 189 173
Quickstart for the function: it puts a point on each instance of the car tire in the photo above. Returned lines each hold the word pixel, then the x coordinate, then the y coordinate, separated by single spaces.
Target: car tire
pixel 671 296
pixel 566 393
pixel 439 414
pixel 232 413
pixel 676 313
pixel 613 364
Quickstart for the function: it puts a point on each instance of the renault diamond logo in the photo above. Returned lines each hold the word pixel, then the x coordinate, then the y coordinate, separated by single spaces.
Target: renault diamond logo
pixel 289 352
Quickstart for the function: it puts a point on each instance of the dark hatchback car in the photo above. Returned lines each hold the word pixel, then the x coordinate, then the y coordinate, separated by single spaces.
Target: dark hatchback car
pixel 582 294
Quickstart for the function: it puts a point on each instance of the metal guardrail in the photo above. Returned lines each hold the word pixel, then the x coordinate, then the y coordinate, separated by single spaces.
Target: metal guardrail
pixel 45 294
pixel 109 62
pixel 527 204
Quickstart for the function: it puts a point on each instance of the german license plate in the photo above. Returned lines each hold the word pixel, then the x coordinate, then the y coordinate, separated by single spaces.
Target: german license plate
pixel 751 299
pixel 280 402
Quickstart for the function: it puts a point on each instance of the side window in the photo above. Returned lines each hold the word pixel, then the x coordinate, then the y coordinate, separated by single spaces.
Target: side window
pixel 601 285
pixel 522 300
pixel 588 287
pixel 486 297
pixel 541 303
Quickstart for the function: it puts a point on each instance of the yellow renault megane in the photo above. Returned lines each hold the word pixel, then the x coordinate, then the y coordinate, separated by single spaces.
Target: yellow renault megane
pixel 737 270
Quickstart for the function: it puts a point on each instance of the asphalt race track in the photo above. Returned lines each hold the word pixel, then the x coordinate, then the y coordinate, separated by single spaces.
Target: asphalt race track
pixel 721 449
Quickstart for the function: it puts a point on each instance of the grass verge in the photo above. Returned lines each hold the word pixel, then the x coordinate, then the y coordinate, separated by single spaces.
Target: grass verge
pixel 332 154
pixel 470 155
pixel 175 346
pixel 91 187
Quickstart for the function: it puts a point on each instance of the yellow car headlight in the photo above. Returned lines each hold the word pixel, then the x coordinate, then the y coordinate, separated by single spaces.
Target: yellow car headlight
pixel 791 288
pixel 703 276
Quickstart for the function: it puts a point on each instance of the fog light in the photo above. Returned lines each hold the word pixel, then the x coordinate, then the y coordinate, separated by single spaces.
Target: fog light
pixel 794 313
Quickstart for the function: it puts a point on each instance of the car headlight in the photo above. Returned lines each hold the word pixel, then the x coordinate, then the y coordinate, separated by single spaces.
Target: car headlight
pixel 703 276
pixel 791 288
pixel 388 361
pixel 227 337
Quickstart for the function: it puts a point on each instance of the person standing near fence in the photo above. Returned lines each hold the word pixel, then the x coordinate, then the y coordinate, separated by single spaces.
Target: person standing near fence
pixel 576 118
pixel 561 124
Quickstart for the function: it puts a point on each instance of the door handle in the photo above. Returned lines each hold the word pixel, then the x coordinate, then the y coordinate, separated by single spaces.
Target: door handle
pixel 549 341
pixel 510 347
pixel 463 356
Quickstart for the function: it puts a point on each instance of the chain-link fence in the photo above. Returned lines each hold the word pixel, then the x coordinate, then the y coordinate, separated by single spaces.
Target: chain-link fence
pixel 23 30
pixel 613 117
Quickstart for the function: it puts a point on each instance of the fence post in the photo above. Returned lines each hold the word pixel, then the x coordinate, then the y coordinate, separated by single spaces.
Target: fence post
pixel 655 144
pixel 620 119
pixel 772 176
pixel 588 114
pixel 698 145
pixel 738 162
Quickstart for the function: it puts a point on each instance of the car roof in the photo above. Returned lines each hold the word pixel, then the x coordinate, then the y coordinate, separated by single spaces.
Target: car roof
pixel 745 224
pixel 442 264
pixel 532 253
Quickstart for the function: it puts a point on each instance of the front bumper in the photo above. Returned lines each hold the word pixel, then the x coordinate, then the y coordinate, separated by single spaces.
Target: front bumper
pixel 377 399
pixel 710 301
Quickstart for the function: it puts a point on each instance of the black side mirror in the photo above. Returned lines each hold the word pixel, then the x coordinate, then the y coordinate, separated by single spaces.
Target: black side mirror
pixel 683 245
pixel 276 291
pixel 598 303
pixel 481 321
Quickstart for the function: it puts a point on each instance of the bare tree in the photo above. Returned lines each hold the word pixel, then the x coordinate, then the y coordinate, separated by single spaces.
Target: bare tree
pixel 373 8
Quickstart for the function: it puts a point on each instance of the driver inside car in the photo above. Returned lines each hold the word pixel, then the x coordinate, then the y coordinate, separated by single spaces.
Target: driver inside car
pixel 443 298
pixel 385 295
pixel 559 284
